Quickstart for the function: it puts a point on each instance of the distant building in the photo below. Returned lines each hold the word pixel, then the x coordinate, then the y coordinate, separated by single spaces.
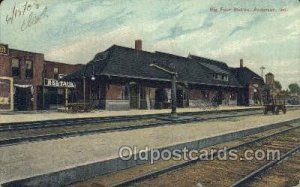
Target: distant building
pixel 252 85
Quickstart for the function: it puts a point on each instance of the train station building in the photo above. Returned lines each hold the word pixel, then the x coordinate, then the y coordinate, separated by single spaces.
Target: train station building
pixel 122 78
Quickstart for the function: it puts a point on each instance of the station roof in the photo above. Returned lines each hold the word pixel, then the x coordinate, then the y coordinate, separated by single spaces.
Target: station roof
pixel 244 75
pixel 127 62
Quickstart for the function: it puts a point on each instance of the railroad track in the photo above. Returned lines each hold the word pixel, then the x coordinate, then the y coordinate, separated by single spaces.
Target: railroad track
pixel 15 126
pixel 285 173
pixel 214 173
pixel 96 120
pixel 16 135
pixel 245 180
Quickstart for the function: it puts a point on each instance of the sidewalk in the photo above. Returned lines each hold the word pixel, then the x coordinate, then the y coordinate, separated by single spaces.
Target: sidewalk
pixel 52 115
pixel 31 159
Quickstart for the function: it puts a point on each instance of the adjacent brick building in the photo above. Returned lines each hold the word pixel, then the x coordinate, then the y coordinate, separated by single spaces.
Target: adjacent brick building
pixel 28 70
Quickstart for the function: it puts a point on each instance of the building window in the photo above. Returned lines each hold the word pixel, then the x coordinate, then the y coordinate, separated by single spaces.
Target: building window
pixel 232 96
pixel 215 76
pixel 221 77
pixel 143 93
pixel 225 77
pixel 185 95
pixel 15 67
pixel 55 72
pixel 205 94
pixel 95 94
pixel 29 69
pixel 125 92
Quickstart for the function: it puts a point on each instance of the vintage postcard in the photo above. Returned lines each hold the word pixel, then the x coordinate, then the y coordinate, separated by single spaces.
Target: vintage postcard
pixel 150 93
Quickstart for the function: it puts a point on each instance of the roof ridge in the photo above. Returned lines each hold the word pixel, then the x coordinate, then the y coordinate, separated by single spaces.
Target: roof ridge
pixel 170 54
pixel 130 48
pixel 201 57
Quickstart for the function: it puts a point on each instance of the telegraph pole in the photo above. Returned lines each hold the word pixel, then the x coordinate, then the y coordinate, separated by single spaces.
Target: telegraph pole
pixel 262 68
pixel 84 94
pixel 173 91
pixel 173 96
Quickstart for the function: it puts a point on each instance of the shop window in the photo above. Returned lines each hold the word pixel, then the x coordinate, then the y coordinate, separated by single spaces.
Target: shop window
pixel 56 73
pixel 29 69
pixel 15 67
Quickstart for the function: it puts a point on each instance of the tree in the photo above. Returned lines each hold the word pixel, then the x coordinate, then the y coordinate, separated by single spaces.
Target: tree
pixel 294 88
pixel 277 85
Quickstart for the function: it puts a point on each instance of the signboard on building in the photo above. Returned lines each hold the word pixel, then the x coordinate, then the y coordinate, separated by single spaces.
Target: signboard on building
pixel 58 83
pixel 3 49
pixel 6 94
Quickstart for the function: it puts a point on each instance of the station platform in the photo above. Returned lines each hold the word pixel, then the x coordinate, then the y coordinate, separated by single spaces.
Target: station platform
pixel 51 158
pixel 11 117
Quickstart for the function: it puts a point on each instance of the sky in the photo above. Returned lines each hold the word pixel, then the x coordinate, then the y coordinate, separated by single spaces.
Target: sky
pixel 263 33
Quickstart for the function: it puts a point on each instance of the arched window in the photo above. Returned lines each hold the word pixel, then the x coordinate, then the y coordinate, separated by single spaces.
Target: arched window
pixel 29 69
pixel 15 67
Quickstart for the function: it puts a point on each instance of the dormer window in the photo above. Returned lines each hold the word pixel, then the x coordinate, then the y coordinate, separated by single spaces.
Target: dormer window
pixel 220 77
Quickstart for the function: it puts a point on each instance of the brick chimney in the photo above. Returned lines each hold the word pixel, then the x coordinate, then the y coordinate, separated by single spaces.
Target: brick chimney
pixel 138 44
pixel 241 63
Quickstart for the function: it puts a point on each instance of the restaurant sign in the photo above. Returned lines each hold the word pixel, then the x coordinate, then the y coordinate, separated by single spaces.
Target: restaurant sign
pixel 3 49
pixel 58 83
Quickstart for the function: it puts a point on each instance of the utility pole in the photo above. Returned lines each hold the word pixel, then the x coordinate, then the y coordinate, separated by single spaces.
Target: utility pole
pixel 84 94
pixel 43 88
pixel 173 91
pixel 173 96
pixel 84 85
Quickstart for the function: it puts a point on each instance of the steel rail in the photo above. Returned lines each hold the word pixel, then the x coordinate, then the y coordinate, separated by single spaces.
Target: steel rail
pixel 13 141
pixel 262 169
pixel 95 120
pixel 46 124
pixel 80 121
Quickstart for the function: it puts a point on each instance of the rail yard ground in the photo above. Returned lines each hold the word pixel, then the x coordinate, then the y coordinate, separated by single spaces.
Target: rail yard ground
pixel 44 158
pixel 216 172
